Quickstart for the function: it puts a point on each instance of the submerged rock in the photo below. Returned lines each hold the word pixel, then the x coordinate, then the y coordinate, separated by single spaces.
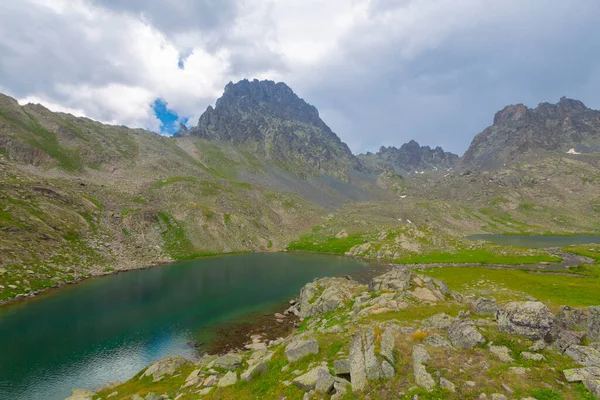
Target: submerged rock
pixel 531 319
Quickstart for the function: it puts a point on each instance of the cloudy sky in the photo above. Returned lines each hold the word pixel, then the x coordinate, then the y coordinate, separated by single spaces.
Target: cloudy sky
pixel 381 72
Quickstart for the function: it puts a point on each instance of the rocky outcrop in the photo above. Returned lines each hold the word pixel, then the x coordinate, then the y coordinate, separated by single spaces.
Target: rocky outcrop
pixel 254 370
pixel 327 294
pixel 593 325
pixel 464 335
pixel 584 355
pixel 482 306
pixel 398 279
pixel 531 319
pixel 364 362
pixel 420 358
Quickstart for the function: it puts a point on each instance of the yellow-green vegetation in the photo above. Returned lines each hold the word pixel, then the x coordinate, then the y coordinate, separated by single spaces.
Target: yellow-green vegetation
pixel 507 284
pixel 587 250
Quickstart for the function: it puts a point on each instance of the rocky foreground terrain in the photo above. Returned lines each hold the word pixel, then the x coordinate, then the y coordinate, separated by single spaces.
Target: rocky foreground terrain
pixel 405 335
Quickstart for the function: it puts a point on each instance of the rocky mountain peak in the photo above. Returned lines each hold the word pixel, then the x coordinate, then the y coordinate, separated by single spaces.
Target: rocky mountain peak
pixel 518 131
pixel 269 119
pixel 410 157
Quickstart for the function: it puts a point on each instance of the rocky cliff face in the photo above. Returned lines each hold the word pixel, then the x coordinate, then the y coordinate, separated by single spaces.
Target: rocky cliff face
pixel 520 132
pixel 273 122
pixel 410 158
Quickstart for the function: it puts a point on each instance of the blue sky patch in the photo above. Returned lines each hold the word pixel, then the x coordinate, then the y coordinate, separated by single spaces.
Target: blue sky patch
pixel 169 119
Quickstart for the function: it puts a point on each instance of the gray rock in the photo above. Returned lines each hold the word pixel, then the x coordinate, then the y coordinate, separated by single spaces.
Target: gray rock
pixel 464 335
pixel 341 388
pixel 229 361
pixel 446 384
pixel 538 345
pixel 584 355
pixel 324 381
pixel 341 367
pixel 565 339
pixel 388 343
pixel 387 370
pixel 581 374
pixel 593 386
pixel 531 319
pixel 436 340
pixel 569 318
pixel 166 366
pixel 502 352
pixel 327 294
pixel 81 394
pixel 230 378
pixel 420 357
pixel 441 321
pixel 521 371
pixel 358 371
pixel 532 356
pixel 595 345
pixel 593 324
pixel 254 370
pixel 308 381
pixel 397 280
pixel 498 396
pixel 299 349
pixel 483 306
pixel 152 396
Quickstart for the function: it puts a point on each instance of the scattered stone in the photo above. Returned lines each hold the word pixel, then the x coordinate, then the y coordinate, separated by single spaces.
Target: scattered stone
pixel 210 380
pixel 532 356
pixel 166 366
pixel 507 388
pixel 502 352
pixel 425 294
pixel 230 378
pixel 436 340
pixel 152 396
pixel 205 391
pixel 441 321
pixel 341 367
pixel 582 374
pixel 254 370
pixel 446 384
pixel 470 384
pixel 464 335
pixel 483 306
pixel 538 345
pixel 531 319
pixel 113 394
pixel 192 378
pixel 521 371
pixel 308 381
pixel 81 394
pixel 229 361
pixel 420 357
pixel 324 381
pixel 256 346
pixel 565 339
pixel 301 348
pixel 387 370
pixel 498 396
pixel 584 355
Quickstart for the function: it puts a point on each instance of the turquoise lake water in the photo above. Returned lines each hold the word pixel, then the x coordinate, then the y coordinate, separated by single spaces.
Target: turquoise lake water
pixel 107 329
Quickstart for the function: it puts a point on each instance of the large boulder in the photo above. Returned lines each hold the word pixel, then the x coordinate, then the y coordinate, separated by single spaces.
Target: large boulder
pixel 327 294
pixel 441 321
pixel 569 318
pixel 364 363
pixel 299 349
pixel 464 335
pixel 531 319
pixel 397 280
pixel 593 325
pixel 166 366
pixel 230 378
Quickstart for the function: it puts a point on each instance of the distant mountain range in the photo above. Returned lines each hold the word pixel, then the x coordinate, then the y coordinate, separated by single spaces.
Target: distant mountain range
pixel 260 169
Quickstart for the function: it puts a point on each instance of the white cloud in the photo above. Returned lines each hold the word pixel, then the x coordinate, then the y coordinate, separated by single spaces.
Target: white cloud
pixel 381 71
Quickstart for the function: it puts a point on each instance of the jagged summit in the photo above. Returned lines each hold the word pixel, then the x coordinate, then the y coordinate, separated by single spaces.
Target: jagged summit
pixel 518 131
pixel 272 121
pixel 410 157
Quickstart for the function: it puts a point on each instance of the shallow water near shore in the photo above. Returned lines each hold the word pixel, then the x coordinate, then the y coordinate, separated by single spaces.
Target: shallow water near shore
pixel 537 242
pixel 109 328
